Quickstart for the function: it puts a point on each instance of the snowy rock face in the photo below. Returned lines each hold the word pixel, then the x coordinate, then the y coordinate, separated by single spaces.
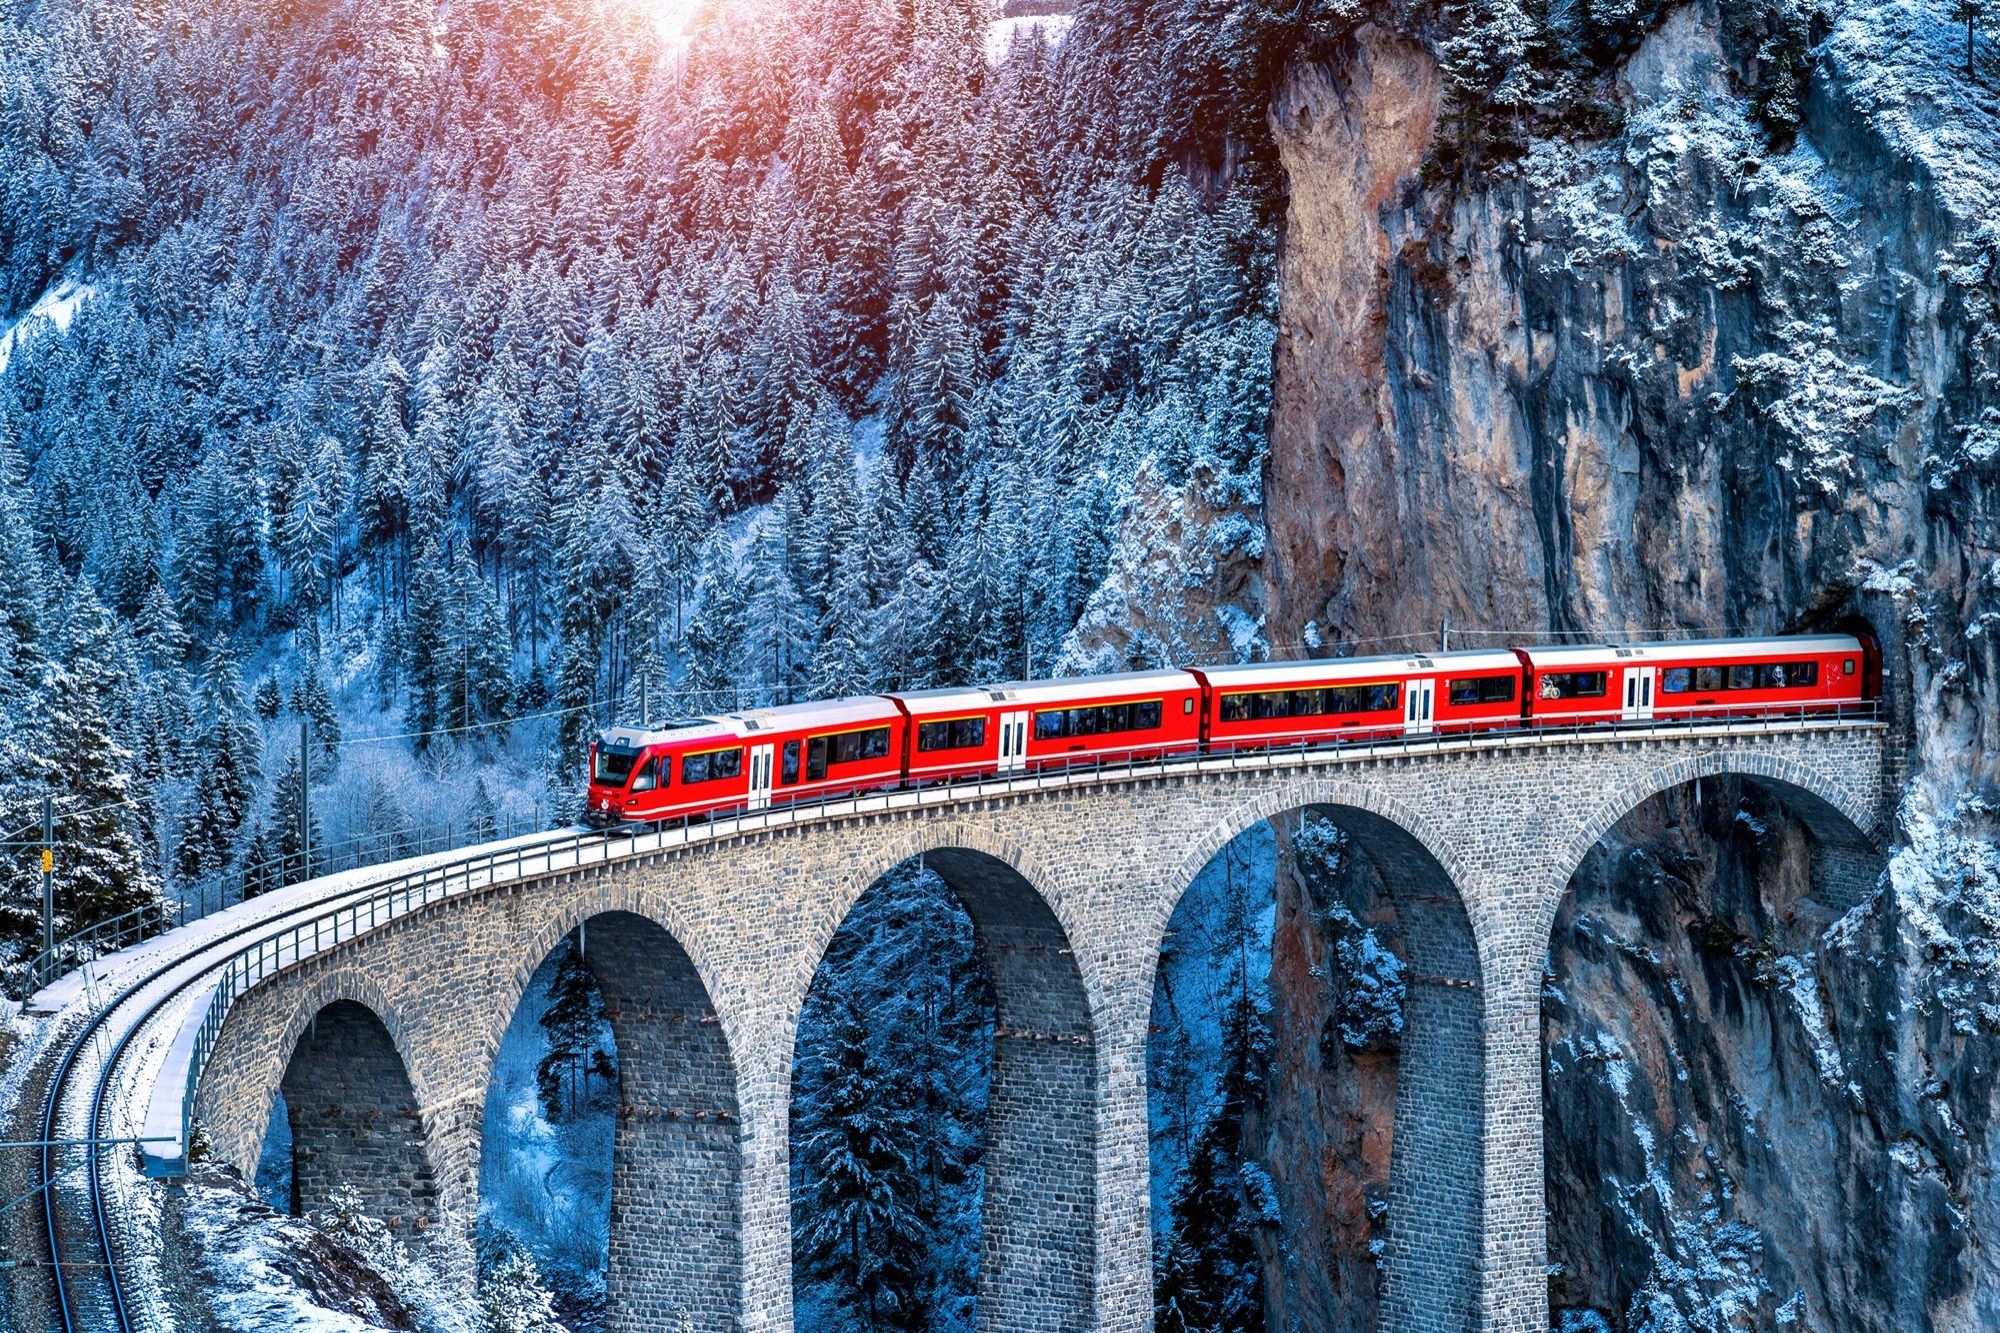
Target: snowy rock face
pixel 1672 377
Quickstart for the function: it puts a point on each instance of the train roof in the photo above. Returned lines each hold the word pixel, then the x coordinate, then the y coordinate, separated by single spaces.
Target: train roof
pixel 1077 688
pixel 1251 675
pixel 948 699
pixel 1775 645
pixel 830 713
pixel 686 729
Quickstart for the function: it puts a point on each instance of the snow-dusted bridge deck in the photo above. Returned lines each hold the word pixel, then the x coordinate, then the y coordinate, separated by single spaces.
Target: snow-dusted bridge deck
pixel 381 1017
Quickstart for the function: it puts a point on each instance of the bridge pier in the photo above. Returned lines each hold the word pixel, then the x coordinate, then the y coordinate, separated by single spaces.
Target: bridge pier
pixel 676 1259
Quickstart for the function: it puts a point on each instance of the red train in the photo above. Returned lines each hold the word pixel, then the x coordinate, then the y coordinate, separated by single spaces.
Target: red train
pixel 749 759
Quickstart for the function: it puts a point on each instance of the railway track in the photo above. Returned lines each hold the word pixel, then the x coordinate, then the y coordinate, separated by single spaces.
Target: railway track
pixel 90 1294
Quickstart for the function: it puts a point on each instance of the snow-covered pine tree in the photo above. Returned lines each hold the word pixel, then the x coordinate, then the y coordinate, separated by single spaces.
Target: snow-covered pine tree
pixel 224 771
pixel 574 1027
pixel 513 1297
pixel 311 701
pixel 293 824
pixel 269 701
pixel 854 1217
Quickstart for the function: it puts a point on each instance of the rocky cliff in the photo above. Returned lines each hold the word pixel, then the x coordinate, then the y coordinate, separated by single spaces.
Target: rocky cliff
pixel 1694 368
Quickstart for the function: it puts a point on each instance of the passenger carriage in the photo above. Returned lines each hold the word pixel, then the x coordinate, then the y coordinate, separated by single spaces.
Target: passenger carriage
pixel 1098 719
pixel 748 759
pixel 1359 698
pixel 1704 678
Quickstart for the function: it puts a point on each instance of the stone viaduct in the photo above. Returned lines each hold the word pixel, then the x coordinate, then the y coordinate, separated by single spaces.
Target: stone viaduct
pixel 384 1043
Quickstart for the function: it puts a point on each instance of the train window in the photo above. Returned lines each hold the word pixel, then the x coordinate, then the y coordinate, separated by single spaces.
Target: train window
pixel 790 772
pixel 1384 698
pixel 648 776
pixel 1573 684
pixel 614 765
pixel 956 734
pixel 1676 680
pixel 1482 690
pixel 1236 707
pixel 815 758
pixel 1307 703
pixel 1847 667
pixel 711 766
pixel 853 746
pixel 1707 678
pixel 1187 707
pixel 1742 676
pixel 1104 719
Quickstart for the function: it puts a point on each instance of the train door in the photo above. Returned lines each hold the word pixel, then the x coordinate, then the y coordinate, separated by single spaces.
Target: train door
pixel 1417 701
pixel 760 777
pixel 1013 741
pixel 1638 694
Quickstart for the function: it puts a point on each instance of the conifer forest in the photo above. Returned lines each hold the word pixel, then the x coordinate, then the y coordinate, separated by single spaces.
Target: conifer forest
pixel 397 394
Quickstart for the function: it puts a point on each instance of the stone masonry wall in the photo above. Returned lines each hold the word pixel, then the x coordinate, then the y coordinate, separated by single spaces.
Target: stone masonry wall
pixel 354 1120
pixel 1070 890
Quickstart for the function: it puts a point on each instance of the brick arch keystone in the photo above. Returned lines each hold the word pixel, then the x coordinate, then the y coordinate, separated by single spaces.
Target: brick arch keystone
pixel 1302 793
pixel 924 837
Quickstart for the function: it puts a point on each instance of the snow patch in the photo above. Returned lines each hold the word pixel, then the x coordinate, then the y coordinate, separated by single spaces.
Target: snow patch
pixel 53 310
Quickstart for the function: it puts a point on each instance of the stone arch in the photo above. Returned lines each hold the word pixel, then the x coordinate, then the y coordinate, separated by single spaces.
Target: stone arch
pixel 1038 1219
pixel 676 1236
pixel 1432 1272
pixel 355 1112
pixel 1846 854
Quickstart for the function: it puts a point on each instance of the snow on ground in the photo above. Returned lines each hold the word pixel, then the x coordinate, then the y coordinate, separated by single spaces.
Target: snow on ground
pixel 258 1269
pixel 54 310
pixel 1903 62
pixel 1001 34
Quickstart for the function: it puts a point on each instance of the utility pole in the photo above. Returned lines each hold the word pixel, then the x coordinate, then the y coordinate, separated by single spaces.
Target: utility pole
pixel 48 875
pixel 305 797
pixel 1444 634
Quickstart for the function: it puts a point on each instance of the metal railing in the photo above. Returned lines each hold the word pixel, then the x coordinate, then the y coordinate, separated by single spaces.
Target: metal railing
pixel 243 882
pixel 418 889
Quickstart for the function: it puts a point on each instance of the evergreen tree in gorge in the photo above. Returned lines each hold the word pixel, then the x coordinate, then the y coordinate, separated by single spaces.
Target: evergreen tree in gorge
pixel 99 873
pixel 574 1025
pixel 484 818
pixel 427 646
pixel 291 827
pixel 1208 1273
pixel 855 1221
pixel 477 675
pixel 269 701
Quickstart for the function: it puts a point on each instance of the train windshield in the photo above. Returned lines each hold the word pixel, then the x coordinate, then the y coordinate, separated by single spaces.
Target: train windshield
pixel 614 765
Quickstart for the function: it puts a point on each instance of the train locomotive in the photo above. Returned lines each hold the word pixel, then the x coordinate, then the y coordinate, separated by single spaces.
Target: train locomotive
pixel 750 759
